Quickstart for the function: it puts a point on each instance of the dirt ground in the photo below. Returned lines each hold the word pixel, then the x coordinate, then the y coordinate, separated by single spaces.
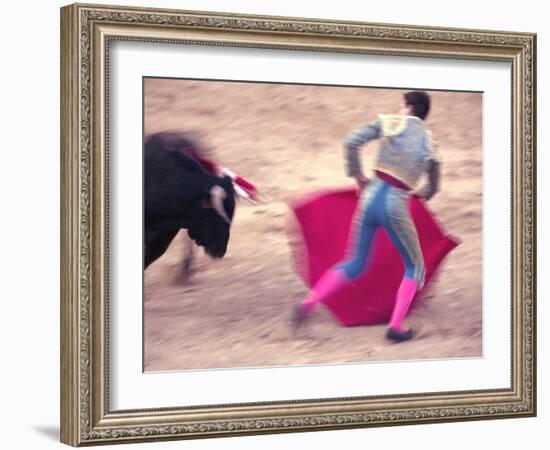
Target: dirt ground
pixel 235 312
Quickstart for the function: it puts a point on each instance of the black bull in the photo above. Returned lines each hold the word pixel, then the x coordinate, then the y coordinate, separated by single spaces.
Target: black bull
pixel 180 193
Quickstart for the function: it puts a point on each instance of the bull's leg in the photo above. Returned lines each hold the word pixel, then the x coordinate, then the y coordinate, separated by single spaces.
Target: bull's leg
pixel 188 257
pixel 186 269
pixel 156 243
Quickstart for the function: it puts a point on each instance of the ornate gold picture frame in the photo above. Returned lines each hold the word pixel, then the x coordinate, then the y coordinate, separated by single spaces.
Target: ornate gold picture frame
pixel 87 33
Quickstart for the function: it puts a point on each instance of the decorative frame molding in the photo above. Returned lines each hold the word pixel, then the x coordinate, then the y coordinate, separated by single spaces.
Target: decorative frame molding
pixel 86 32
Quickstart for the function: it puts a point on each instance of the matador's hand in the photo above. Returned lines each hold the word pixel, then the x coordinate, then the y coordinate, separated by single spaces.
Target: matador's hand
pixel 362 181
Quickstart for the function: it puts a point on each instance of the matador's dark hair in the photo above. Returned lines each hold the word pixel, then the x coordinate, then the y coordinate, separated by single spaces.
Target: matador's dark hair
pixel 420 102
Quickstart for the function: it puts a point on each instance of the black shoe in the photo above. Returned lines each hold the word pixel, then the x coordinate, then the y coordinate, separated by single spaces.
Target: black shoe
pixel 399 336
pixel 298 317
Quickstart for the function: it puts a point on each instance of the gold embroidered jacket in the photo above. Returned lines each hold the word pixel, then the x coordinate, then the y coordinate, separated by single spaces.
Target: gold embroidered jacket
pixel 406 151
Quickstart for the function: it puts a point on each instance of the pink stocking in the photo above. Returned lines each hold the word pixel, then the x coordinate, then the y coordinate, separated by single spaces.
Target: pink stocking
pixel 331 281
pixel 405 295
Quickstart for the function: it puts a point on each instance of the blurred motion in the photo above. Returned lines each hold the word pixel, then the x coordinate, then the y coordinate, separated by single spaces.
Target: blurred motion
pixel 179 193
pixel 184 190
pixel 285 142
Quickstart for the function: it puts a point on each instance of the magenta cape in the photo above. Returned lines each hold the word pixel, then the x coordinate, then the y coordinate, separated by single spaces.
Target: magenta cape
pixel 320 241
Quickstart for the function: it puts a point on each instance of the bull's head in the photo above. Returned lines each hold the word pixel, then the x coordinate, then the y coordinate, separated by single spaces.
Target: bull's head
pixel 211 225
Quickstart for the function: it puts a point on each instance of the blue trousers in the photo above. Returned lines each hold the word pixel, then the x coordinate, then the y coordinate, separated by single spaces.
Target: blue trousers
pixel 386 206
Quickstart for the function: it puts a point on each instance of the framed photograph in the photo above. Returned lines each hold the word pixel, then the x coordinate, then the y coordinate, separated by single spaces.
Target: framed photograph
pixel 276 224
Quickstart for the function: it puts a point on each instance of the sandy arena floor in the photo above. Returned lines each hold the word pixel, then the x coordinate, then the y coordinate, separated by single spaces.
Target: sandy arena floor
pixel 287 139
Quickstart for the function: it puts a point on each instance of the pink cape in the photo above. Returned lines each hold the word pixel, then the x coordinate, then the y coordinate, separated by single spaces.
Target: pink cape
pixel 324 221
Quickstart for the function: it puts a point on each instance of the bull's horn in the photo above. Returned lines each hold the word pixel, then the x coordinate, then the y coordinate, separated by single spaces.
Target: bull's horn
pixel 217 196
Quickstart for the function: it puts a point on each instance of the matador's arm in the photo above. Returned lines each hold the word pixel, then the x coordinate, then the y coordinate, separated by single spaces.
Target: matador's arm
pixel 433 169
pixel 354 141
